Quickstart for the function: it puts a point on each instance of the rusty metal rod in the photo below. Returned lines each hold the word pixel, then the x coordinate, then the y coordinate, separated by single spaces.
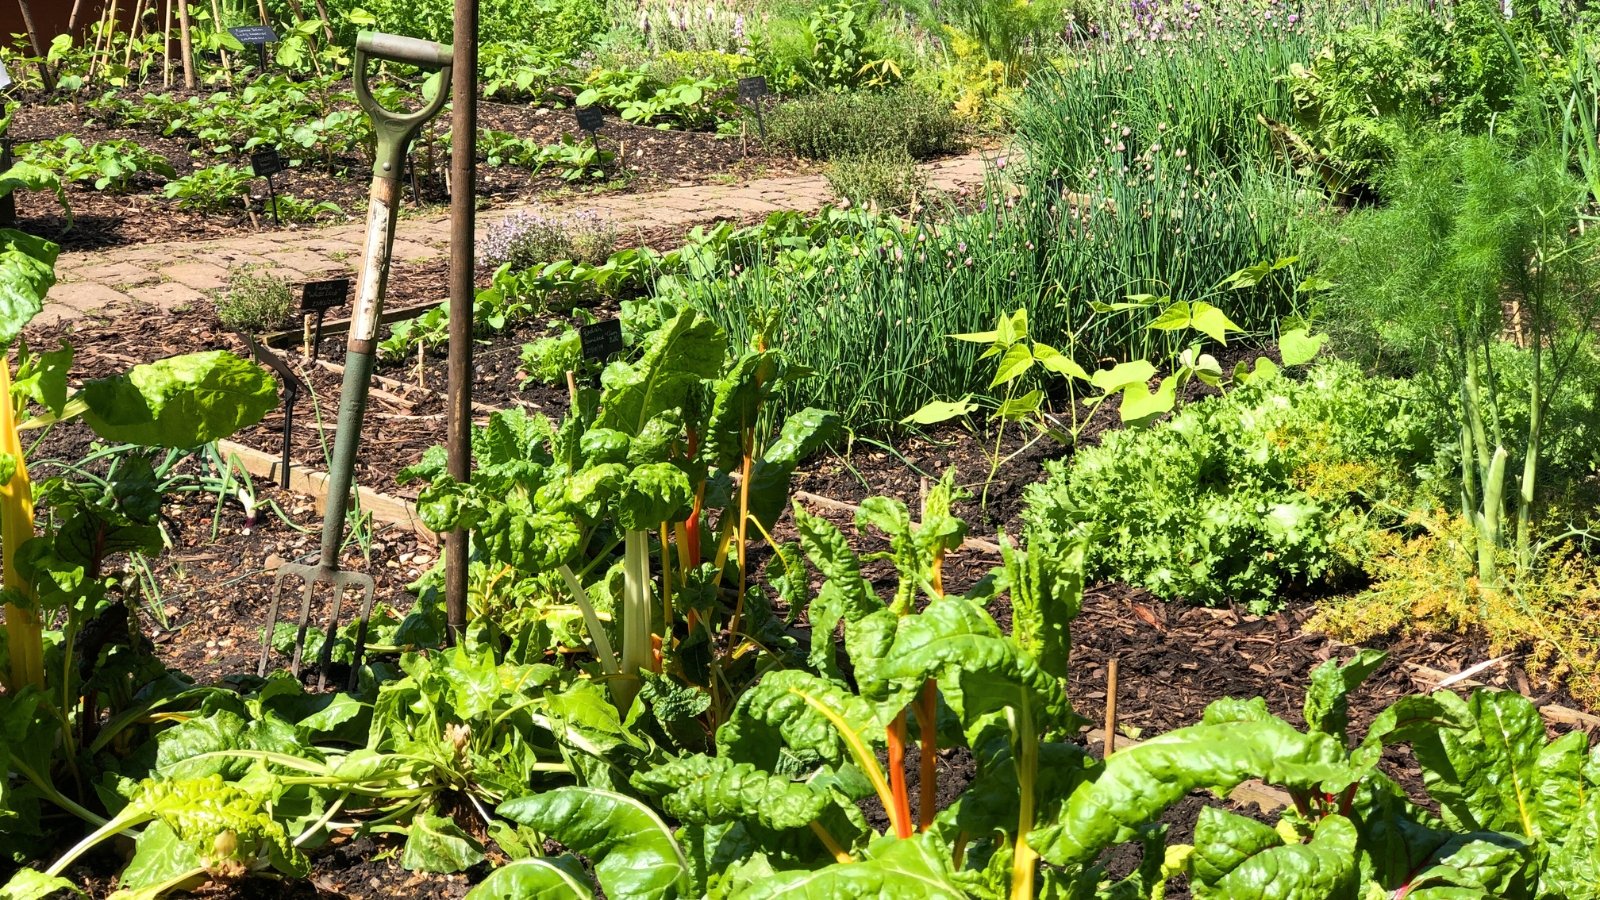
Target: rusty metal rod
pixel 463 253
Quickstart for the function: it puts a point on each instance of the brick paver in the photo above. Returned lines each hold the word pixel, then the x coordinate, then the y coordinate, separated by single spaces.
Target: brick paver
pixel 179 274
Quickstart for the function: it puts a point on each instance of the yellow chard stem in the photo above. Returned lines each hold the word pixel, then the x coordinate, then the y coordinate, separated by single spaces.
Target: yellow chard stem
pixel 24 631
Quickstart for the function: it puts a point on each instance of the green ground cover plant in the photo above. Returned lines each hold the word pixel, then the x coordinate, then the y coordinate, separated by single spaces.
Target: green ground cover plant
pixel 885 181
pixel 828 126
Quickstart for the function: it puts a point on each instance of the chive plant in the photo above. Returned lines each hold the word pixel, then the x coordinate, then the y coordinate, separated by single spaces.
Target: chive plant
pixel 1144 170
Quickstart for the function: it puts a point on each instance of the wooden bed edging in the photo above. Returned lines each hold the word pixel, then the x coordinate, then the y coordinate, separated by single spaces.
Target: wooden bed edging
pixel 314 484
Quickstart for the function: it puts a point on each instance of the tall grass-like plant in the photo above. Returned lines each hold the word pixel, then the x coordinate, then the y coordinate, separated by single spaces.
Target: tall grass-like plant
pixel 1146 173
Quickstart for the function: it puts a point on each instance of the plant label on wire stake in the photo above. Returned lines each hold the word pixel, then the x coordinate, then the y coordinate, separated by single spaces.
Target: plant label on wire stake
pixel 258 36
pixel 590 119
pixel 5 77
pixel 600 341
pixel 265 164
pixel 752 91
pixel 320 296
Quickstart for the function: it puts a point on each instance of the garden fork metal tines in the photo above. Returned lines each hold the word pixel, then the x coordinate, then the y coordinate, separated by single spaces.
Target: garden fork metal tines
pixel 394 131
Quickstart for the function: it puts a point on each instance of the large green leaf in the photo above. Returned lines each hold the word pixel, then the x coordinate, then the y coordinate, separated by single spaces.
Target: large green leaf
pixel 1046 585
pixel 803 434
pixel 27 176
pixel 736 400
pixel 1235 861
pixel 1298 346
pixel 653 494
pixel 183 402
pixel 845 595
pixel 1485 773
pixel 912 869
pixel 1327 705
pixel 1487 866
pixel 633 851
pixel 32 884
pixel 706 790
pixel 978 668
pixel 553 878
pixel 773 720
pixel 676 358
pixel 1139 783
pixel 437 844
pixel 27 272
pixel 935 411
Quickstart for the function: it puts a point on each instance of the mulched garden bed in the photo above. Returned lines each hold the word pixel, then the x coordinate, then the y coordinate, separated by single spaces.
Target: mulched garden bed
pixel 649 159
pixel 215 586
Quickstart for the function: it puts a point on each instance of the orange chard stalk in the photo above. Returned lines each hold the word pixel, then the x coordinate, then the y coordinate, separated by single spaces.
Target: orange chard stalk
pixel 900 815
pixel 24 630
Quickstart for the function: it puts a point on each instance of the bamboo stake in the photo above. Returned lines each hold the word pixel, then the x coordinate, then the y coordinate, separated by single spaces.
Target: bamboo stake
pixel 133 32
pixel 262 6
pixel 1111 707
pixel 108 27
pixel 227 68
pixel 166 47
pixel 187 45
pixel 72 20
pixel 327 21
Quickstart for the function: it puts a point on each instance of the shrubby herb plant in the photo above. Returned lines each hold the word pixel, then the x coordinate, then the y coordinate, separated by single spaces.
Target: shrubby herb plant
pixel 1492 236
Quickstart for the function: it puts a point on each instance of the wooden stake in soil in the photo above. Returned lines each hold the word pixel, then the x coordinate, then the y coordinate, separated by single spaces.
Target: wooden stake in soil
pixel 166 47
pixel 227 68
pixel 186 43
pixel 463 238
pixel 1111 707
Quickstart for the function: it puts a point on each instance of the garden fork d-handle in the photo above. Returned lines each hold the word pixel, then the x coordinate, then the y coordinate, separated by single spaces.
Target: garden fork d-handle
pixel 395 130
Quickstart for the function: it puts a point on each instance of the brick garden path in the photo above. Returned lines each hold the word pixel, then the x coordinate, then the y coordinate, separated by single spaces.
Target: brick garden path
pixel 177 274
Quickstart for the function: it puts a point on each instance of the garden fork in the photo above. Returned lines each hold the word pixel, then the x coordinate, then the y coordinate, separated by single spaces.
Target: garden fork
pixel 395 131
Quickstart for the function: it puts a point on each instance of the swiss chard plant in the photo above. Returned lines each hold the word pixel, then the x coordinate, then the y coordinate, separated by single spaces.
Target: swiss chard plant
pixel 77 667
pixel 671 464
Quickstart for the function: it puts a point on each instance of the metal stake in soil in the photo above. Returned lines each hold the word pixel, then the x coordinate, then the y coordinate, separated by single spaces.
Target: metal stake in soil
pixel 463 228
pixel 395 132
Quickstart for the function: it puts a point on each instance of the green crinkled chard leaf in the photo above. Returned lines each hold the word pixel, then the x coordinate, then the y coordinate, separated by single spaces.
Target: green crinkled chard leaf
pixel 1484 773
pixel 771 717
pixel 1046 585
pixel 1327 706
pixel 845 594
pixel 552 878
pixel 1484 865
pixel 182 402
pixel 705 790
pixel 633 851
pixel 27 272
pixel 803 434
pixel 676 358
pixel 437 844
pixel 1139 783
pixel 32 884
pixel 652 494
pixel 736 400
pixel 912 869
pixel 1322 869
pixel 531 544
pixel 159 856
pixel 978 668
pixel 1223 841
